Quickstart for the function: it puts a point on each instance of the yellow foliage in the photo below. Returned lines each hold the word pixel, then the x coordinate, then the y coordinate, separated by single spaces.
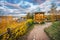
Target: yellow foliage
pixel 19 28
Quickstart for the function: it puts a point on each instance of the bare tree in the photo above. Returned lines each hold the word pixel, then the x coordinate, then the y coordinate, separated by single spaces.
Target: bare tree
pixel 53 11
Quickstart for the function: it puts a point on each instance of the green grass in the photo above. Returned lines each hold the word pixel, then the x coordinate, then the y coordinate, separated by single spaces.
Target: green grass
pixel 54 31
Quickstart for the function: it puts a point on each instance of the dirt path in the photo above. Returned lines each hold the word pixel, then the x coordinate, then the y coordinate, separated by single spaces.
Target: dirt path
pixel 38 32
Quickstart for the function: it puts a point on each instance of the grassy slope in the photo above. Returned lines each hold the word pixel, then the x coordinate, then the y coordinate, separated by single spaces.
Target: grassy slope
pixel 54 31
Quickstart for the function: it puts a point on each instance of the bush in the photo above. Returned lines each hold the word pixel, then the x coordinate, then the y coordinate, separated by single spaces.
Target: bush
pixel 1 37
pixel 20 30
pixel 42 23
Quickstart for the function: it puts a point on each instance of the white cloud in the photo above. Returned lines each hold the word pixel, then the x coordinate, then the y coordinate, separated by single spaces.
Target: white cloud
pixel 20 15
pixel 18 5
pixel 58 8
pixel 43 7
pixel 14 5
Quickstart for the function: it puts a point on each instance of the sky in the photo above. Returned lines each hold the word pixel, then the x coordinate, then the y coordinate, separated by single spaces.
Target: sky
pixel 25 6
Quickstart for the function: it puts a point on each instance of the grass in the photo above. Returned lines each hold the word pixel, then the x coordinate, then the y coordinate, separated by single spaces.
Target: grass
pixel 54 31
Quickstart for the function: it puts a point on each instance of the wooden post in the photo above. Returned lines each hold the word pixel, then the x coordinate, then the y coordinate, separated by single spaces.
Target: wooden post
pixel 9 32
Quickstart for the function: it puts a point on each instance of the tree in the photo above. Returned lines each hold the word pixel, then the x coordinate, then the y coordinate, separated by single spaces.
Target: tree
pixel 53 11
pixel 29 15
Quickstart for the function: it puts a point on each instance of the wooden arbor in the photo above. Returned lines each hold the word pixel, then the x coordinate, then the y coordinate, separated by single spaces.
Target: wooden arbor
pixel 39 17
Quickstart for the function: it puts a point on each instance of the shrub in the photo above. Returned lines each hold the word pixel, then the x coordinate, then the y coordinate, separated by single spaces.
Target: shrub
pixel 42 23
pixel 19 31
pixel 1 37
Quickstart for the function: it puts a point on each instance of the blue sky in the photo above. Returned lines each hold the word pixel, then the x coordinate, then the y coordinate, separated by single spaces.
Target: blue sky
pixel 21 6
pixel 34 2
pixel 24 3
pixel 31 1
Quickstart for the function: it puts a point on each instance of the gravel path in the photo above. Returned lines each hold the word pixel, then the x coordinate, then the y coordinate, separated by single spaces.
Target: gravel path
pixel 38 32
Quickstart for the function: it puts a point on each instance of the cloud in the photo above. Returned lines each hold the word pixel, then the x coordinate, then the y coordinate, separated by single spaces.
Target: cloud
pixel 32 8
pixel 9 4
pixel 58 8
pixel 25 4
pixel 40 1
pixel 22 4
pixel 43 7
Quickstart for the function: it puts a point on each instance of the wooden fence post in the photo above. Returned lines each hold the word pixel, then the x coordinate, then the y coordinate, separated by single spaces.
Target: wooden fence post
pixel 9 32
